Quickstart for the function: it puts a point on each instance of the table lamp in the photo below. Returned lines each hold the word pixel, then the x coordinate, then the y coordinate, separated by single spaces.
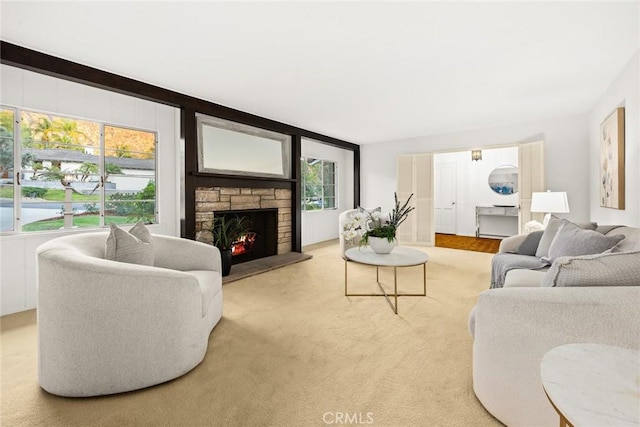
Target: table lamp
pixel 549 202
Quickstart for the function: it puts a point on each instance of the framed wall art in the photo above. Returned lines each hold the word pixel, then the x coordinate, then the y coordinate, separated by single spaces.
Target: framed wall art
pixel 612 160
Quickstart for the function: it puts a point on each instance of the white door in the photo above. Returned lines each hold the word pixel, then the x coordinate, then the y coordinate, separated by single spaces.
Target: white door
pixel 445 206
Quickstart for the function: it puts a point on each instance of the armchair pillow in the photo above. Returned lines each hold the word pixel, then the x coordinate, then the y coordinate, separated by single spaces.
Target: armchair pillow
pixel 608 269
pixel 571 240
pixel 134 246
pixel 369 211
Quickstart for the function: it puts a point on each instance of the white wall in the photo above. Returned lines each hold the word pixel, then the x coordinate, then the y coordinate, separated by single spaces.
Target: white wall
pixel 567 158
pixel 472 183
pixel 28 90
pixel 319 226
pixel 623 92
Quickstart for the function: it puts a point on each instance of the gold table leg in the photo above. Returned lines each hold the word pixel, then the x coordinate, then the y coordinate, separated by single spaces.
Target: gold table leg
pixel 345 277
pixel 384 293
pixel 395 288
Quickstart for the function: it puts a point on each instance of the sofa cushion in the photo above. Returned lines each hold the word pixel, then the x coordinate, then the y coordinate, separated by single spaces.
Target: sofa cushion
pixel 609 269
pixel 631 242
pixel 571 240
pixel 524 278
pixel 550 233
pixel 134 246
pixel 530 244
pixel 210 284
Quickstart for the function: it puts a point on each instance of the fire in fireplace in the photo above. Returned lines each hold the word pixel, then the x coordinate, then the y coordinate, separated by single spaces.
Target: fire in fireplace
pixel 244 244
pixel 261 240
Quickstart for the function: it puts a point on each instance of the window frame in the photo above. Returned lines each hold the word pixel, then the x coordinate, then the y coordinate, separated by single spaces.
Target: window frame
pixel 17 156
pixel 17 164
pixel 322 185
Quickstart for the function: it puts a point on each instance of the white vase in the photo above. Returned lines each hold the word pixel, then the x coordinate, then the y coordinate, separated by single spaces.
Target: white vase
pixel 381 245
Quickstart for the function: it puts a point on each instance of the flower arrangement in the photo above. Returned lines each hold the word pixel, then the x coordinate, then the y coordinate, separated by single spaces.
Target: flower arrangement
pixel 376 224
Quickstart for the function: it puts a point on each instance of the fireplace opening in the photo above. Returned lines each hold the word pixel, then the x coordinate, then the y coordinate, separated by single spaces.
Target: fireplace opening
pixel 261 240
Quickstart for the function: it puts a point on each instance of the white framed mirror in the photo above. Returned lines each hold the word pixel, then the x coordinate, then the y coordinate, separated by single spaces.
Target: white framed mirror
pixel 230 148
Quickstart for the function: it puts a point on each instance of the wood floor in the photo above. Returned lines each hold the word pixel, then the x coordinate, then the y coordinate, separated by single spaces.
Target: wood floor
pixel 476 244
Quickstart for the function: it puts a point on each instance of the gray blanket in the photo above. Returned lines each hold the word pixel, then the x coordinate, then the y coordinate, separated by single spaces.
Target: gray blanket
pixel 503 262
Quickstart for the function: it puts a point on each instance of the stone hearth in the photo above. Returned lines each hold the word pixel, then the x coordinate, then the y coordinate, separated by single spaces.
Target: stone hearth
pixel 220 199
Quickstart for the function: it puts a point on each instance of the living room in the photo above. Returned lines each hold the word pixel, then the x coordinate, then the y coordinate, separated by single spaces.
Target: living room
pixel 457 76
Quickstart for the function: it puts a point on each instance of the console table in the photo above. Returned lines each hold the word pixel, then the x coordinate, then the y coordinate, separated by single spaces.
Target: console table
pixel 593 384
pixel 496 221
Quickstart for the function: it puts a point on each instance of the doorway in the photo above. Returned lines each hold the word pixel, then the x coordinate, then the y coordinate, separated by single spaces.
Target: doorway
pixel 416 174
pixel 461 185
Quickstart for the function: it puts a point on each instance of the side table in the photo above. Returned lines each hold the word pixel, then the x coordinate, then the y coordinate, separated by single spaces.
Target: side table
pixel 593 384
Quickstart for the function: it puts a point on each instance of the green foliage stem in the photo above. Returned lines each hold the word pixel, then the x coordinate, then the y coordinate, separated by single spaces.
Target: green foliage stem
pixel 388 230
pixel 226 231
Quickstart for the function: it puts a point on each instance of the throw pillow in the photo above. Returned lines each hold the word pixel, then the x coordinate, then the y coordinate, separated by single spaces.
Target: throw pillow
pixel 369 211
pixel 530 244
pixel 134 246
pixel 608 269
pixel 551 230
pixel 571 240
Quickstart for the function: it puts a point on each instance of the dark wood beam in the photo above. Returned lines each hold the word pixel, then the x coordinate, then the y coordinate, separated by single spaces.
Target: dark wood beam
pixel 28 59
pixel 356 178
pixel 190 165
pixel 296 195
pixel 22 57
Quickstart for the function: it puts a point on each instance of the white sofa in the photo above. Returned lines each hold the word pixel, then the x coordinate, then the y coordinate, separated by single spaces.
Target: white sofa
pixel 513 327
pixel 108 327
pixel 528 278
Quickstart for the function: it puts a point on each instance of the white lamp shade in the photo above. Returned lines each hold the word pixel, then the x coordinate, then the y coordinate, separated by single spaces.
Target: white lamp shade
pixel 550 202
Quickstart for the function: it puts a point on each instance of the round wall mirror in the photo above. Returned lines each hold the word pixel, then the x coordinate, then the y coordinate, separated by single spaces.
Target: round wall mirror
pixel 504 179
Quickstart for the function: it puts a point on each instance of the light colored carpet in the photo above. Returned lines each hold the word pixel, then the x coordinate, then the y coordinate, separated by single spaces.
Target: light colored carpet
pixel 292 350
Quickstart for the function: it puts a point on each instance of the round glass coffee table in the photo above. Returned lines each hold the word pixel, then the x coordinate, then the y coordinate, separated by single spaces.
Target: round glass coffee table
pixel 400 257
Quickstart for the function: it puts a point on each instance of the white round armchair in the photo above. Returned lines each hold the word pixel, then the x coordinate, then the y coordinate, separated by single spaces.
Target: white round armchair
pixel 108 327
pixel 344 219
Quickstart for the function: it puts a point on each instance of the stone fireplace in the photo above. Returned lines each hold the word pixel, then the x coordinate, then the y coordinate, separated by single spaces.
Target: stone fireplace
pixel 212 201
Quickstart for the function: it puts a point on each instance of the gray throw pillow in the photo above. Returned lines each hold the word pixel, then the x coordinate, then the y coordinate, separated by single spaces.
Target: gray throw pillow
pixel 607 269
pixel 369 211
pixel 551 230
pixel 571 240
pixel 134 246
pixel 529 245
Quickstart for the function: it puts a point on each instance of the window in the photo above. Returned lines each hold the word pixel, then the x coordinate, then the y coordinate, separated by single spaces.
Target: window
pixel 74 173
pixel 318 184
pixel 130 175
pixel 7 120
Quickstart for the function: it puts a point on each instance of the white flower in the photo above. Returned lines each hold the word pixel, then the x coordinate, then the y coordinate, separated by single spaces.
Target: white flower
pixel 349 235
pixel 352 229
pixel 384 218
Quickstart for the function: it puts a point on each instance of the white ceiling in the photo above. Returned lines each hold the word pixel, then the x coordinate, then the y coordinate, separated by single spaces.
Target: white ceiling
pixel 360 71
